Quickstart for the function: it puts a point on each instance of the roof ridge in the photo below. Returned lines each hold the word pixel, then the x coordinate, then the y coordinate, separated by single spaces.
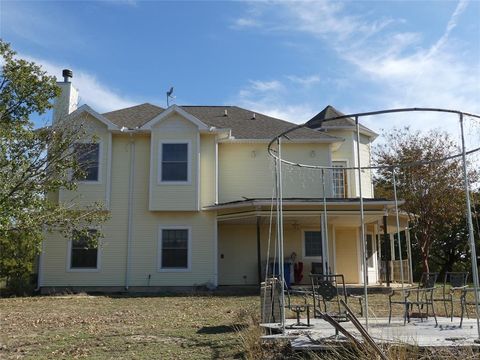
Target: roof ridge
pixel 207 105
pixel 134 106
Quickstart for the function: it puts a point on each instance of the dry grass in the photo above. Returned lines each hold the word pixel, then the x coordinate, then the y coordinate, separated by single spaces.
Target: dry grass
pixel 170 327
pixel 173 327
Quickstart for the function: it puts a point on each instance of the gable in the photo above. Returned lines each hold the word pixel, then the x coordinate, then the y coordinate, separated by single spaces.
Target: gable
pixel 175 123
pixel 86 110
pixel 174 109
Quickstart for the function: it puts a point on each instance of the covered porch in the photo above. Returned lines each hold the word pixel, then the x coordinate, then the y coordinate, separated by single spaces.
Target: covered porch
pixel 247 240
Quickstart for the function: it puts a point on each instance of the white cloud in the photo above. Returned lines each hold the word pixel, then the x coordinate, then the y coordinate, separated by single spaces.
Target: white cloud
pixel 262 86
pixel 268 97
pixel 245 22
pixel 452 23
pixel 399 71
pixel 305 80
pixel 39 25
pixel 122 2
pixel 91 91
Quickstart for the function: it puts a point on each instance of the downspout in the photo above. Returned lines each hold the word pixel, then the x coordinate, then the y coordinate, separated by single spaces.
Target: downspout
pixel 130 208
pixel 40 266
pixel 385 247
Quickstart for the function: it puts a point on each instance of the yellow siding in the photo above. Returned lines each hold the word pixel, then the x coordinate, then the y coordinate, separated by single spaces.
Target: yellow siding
pixel 348 152
pixel 238 245
pixel 207 170
pixel 181 197
pixel 89 192
pixel 145 234
pixel 246 170
pixel 113 245
pixel 345 153
pixel 367 183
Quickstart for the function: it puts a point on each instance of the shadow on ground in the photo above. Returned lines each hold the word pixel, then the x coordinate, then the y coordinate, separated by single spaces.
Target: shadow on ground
pixel 221 329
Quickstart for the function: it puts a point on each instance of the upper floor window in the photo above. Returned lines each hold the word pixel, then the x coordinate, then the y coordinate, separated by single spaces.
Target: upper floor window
pixel 83 254
pixel 88 158
pixel 174 162
pixel 339 175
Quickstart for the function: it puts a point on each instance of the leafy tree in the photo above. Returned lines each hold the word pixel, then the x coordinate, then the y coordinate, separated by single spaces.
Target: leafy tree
pixel 34 165
pixel 433 192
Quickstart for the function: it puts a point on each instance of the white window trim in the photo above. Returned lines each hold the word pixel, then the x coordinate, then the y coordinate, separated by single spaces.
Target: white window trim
pixel 304 256
pixel 159 249
pixel 347 177
pixel 189 161
pixel 100 167
pixel 69 258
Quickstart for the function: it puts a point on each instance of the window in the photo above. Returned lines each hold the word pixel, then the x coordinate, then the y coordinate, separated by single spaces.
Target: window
pixel 313 244
pixel 83 254
pixel 174 165
pixel 339 175
pixel 88 155
pixel 174 246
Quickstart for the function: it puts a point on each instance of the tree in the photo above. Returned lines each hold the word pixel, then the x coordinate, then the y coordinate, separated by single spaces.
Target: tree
pixel 34 164
pixel 433 192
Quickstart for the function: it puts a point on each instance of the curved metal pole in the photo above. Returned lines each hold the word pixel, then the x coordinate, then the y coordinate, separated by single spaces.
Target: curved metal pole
pixel 470 227
pixel 362 221
pixel 282 257
pixel 398 228
pixel 325 253
pixel 370 113
pixel 284 134
pixel 401 165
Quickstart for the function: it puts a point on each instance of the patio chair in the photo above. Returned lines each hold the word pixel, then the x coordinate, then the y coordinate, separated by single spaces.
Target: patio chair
pixel 454 282
pixel 317 268
pixel 422 296
pixel 297 302
pixel 465 302
pixel 327 290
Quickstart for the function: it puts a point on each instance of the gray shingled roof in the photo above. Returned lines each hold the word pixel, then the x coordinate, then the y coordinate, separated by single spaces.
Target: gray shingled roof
pixel 330 112
pixel 134 116
pixel 239 120
pixel 245 127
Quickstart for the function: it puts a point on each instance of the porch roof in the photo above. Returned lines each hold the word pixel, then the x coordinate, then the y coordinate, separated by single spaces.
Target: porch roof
pixel 378 203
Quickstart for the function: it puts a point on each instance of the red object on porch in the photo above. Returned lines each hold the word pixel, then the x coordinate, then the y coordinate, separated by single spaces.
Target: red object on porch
pixel 298 272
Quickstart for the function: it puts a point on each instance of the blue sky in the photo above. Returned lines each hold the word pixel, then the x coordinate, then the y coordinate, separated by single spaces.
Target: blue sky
pixel 286 59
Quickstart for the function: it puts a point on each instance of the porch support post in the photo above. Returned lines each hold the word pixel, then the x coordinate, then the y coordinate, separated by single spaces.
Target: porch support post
pixel 409 252
pixel 362 226
pixel 385 249
pixel 259 254
pixel 392 247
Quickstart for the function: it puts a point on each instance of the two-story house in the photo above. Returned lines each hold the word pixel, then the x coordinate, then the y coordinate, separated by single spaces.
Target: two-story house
pixel 189 192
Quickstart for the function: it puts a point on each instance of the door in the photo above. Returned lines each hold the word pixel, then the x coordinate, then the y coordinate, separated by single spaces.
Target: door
pixel 346 254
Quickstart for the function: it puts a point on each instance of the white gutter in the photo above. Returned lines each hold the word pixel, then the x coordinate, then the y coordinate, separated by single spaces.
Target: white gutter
pixel 364 131
pixel 297 203
pixel 130 207
pixel 294 141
